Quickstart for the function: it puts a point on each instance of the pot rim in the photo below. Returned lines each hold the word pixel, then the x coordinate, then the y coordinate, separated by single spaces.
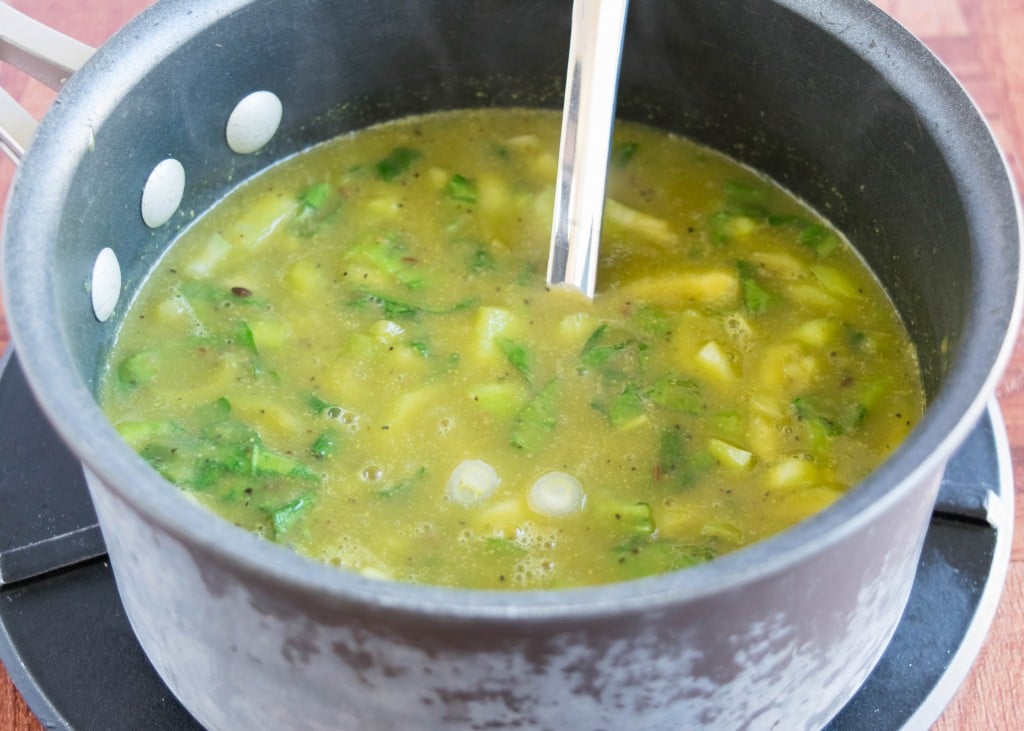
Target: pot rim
pixel 33 214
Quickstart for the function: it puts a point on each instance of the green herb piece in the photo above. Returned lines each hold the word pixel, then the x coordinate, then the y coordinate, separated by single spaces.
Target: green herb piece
pixel 819 238
pixel 677 394
pixel 319 206
pixel 503 547
pixel 397 162
pixel 622 153
pixel 461 189
pixel 402 487
pixel 316 196
pixel 640 556
pixel 535 422
pixel 677 463
pixel 263 461
pixel 517 355
pixel 626 407
pixel 596 351
pixel 482 260
pixel 756 298
pixel 284 518
pixel 393 308
pixel 317 404
pixel 388 255
pixel 652 321
pixel 748 199
pixel 325 445
pixel 138 368
pixel 243 336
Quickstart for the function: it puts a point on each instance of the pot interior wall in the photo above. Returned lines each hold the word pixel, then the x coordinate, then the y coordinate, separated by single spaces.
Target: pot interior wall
pixel 755 80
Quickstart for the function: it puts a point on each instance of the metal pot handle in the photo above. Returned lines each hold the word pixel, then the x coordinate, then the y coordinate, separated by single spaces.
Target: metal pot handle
pixel 41 52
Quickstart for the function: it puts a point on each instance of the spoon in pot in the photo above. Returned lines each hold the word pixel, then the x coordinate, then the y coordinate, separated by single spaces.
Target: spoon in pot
pixel 588 115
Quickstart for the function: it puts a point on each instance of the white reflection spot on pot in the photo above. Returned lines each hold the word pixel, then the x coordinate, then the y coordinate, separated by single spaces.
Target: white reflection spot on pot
pixel 253 122
pixel 106 284
pixel 162 193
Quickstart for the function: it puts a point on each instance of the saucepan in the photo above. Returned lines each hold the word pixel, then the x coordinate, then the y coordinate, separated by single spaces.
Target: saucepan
pixel 830 97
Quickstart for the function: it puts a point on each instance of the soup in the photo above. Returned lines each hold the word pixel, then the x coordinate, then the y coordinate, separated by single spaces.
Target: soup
pixel 356 355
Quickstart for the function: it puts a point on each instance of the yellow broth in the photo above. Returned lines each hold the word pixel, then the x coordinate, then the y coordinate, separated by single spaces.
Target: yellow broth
pixel 356 355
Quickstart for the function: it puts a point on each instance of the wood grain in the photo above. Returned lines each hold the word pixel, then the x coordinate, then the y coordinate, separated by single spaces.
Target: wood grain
pixel 980 41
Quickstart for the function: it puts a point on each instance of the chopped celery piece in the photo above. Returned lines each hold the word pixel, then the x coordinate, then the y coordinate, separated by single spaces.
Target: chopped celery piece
pixel 265 462
pixel 633 518
pixel 139 433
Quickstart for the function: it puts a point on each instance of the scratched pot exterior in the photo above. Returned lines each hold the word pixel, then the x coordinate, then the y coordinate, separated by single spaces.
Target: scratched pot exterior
pixel 831 98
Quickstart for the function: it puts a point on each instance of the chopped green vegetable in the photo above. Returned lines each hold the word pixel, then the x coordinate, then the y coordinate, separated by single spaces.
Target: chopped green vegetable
pixel 402 487
pixel 677 463
pixel 316 196
pixel 388 255
pixel 461 189
pixel 653 321
pixel 325 445
pixel 756 298
pixel 397 162
pixel 534 424
pixel 676 393
pixel 284 518
pixel 319 206
pixel 393 308
pixel 596 351
pixel 244 337
pixel 819 238
pixel 317 404
pixel 632 518
pixel 622 153
pixel 517 355
pixel 139 368
pixel 640 556
pixel 626 407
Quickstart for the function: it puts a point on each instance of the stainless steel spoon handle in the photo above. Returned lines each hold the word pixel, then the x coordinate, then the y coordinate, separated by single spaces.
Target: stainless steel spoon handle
pixel 595 53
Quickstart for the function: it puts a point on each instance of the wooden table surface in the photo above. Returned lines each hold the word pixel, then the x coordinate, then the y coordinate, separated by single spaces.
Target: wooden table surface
pixel 982 42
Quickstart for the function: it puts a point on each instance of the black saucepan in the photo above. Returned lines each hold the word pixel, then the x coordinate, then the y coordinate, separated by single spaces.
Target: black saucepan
pixel 830 97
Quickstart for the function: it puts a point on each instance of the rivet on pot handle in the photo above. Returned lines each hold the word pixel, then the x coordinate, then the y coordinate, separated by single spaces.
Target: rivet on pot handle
pixel 43 53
